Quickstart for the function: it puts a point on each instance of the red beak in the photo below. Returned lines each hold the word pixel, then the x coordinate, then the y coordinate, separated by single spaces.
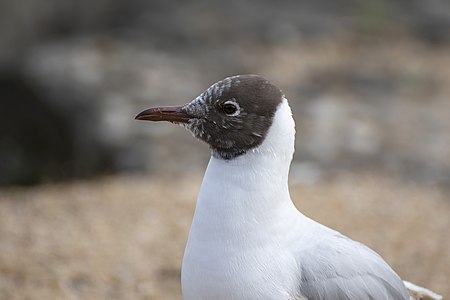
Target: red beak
pixel 164 113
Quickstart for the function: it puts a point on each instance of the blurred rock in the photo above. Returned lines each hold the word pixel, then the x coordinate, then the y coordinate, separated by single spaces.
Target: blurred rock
pixel 36 140
pixel 99 85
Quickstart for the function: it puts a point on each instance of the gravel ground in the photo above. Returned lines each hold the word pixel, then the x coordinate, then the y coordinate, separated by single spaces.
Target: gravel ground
pixel 123 237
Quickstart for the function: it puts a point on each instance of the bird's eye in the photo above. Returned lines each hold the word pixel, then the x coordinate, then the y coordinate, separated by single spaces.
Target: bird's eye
pixel 230 108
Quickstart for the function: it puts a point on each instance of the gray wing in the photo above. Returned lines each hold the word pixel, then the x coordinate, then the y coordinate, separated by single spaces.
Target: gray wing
pixel 339 268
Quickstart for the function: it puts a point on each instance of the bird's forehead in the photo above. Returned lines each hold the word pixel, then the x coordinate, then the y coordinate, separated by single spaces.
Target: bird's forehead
pixel 220 88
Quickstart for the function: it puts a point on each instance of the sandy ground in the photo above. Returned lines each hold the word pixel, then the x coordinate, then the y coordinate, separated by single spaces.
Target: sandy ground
pixel 123 237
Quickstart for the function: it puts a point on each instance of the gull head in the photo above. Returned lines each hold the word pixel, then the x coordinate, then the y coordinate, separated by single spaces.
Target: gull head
pixel 233 116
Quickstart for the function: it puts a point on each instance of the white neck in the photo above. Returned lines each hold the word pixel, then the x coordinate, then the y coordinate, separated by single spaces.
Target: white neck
pixel 251 189
pixel 244 215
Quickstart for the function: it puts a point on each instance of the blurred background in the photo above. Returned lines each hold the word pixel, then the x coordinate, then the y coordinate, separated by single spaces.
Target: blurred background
pixel 88 208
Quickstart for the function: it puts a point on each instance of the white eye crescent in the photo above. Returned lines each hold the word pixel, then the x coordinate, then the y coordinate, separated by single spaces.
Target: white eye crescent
pixel 231 108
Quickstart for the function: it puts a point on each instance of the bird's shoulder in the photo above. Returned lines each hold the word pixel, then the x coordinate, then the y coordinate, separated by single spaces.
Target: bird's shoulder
pixel 335 267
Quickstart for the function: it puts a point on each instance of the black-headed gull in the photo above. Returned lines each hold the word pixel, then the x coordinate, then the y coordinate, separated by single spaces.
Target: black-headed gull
pixel 247 240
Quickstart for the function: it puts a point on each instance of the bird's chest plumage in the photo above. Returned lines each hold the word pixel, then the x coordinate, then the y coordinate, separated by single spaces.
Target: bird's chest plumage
pixel 225 273
pixel 238 246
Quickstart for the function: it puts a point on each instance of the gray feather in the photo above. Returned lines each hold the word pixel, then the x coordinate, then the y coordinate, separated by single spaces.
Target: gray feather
pixel 341 269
